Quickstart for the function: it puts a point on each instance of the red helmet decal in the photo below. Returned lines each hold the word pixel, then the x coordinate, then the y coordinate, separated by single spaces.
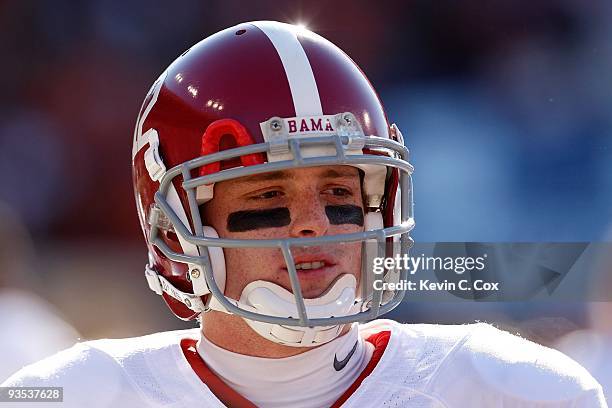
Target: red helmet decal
pixel 211 143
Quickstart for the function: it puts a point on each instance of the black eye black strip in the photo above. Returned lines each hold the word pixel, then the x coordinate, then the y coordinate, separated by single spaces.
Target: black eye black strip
pixel 241 221
pixel 344 214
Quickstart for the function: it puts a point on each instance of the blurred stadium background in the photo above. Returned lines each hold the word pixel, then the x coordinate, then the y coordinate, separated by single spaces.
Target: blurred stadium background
pixel 506 106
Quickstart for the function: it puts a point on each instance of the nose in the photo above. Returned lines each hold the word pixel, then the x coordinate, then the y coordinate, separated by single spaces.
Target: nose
pixel 308 217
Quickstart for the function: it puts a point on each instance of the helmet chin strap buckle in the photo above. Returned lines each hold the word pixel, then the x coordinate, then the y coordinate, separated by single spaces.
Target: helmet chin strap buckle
pixel 273 300
pixel 161 285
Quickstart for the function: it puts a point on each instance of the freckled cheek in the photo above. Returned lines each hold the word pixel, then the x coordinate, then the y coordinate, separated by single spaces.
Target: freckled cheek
pixel 350 254
pixel 345 228
pixel 245 265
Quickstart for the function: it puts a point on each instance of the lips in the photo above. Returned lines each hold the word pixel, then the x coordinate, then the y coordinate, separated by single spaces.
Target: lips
pixel 315 272
pixel 312 262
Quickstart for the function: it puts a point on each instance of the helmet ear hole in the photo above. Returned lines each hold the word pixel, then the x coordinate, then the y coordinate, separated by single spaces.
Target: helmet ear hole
pixel 171 236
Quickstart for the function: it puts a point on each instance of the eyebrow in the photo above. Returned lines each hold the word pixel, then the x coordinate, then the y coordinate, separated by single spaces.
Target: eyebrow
pixel 284 175
pixel 331 173
pixel 275 175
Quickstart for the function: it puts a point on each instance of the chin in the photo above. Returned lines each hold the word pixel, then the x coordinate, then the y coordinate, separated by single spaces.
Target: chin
pixel 312 290
pixel 313 294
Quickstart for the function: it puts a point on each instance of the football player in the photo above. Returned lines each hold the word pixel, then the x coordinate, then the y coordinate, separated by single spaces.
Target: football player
pixel 267 178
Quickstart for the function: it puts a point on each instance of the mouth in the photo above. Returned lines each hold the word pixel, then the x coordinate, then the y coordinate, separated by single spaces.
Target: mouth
pixel 315 273
pixel 312 263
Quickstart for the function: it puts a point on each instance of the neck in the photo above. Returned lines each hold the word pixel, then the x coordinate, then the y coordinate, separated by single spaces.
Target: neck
pixel 313 379
pixel 231 333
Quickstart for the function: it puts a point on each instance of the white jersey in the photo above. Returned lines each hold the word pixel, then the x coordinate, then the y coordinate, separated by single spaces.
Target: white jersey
pixel 422 366
pixel 593 350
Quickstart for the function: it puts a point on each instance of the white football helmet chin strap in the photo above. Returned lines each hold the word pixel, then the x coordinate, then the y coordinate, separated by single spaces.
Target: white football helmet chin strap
pixel 271 299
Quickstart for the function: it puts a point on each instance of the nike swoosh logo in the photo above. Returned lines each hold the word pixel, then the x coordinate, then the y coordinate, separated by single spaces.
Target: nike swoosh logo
pixel 339 365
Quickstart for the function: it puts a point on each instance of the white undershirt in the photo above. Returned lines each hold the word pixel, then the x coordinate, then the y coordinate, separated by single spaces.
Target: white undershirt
pixel 305 380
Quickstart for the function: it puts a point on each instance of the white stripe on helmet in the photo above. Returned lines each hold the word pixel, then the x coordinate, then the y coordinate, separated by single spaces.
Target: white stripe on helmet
pixel 304 91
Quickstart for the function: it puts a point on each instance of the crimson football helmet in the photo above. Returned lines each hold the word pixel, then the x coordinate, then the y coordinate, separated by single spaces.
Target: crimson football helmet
pixel 254 98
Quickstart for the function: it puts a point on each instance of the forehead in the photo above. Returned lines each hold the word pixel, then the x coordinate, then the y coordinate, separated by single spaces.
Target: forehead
pixel 302 175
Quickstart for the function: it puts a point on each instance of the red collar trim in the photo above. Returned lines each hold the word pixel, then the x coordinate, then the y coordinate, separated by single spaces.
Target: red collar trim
pixel 222 391
pixel 232 399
